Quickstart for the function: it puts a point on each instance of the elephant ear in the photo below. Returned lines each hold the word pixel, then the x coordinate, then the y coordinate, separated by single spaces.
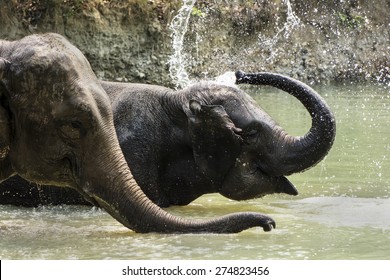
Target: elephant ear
pixel 5 129
pixel 215 140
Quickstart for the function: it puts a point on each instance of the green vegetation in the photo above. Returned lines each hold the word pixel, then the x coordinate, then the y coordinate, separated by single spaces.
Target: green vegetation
pixel 197 12
pixel 351 21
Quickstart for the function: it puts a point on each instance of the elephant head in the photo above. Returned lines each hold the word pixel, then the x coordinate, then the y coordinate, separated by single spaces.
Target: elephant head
pixel 222 155
pixel 240 147
pixel 57 128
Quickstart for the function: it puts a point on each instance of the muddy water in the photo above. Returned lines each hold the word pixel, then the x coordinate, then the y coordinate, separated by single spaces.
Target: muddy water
pixel 342 211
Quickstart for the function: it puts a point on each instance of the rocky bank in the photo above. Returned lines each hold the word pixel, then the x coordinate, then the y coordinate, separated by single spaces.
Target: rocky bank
pixel 131 40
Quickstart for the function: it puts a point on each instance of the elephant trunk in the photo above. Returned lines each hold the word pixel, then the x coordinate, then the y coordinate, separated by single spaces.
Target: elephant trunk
pixel 295 154
pixel 119 194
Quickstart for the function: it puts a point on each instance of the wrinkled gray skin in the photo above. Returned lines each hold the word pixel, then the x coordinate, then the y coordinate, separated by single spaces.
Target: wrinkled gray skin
pixel 210 138
pixel 57 129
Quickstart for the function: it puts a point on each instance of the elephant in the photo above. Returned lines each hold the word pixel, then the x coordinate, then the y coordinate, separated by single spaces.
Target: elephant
pixel 57 128
pixel 208 138
pixel 214 138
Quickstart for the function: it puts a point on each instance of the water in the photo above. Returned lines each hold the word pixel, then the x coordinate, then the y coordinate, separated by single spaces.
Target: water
pixel 292 22
pixel 342 211
pixel 178 27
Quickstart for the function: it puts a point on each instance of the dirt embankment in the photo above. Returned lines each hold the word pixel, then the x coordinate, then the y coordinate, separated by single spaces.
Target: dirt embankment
pixel 315 41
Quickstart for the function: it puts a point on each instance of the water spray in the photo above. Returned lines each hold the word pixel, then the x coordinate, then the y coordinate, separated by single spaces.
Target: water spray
pixel 292 22
pixel 179 27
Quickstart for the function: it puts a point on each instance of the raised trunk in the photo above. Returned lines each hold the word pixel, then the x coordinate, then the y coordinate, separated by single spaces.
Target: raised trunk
pixel 119 194
pixel 295 154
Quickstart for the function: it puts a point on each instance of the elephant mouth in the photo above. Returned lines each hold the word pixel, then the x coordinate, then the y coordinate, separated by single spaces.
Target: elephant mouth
pixel 248 181
pixel 285 186
pixel 55 171
pixel 280 184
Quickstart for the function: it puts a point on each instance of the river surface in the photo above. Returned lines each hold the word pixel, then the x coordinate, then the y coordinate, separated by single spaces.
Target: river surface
pixel 342 211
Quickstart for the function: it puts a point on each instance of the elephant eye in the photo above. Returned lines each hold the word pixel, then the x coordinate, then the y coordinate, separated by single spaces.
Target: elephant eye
pixel 72 130
pixel 250 136
pixel 251 133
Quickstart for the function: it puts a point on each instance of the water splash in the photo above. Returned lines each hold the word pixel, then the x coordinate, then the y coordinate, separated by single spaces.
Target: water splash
pixel 227 78
pixel 179 26
pixel 383 76
pixel 292 22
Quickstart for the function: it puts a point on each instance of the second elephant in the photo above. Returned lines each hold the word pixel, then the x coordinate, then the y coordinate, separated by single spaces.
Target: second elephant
pixel 207 138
